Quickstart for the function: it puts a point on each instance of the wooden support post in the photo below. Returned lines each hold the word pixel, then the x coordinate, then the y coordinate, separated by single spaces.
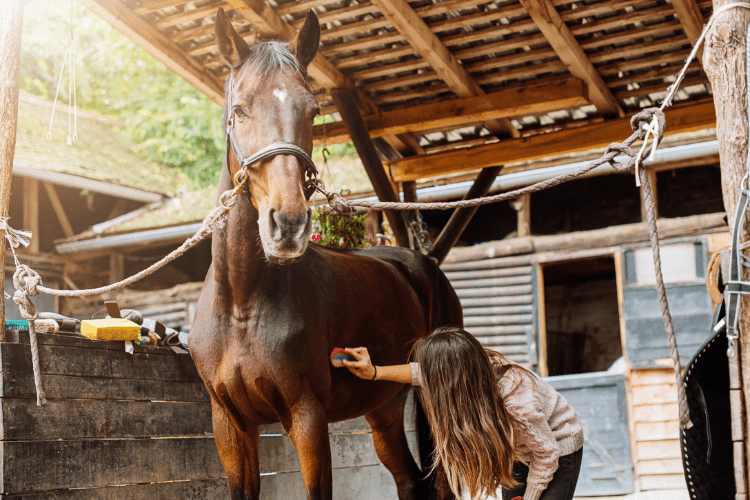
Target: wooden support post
pixel 116 272
pixel 57 206
pixel 409 189
pixel 31 211
pixel 11 24
pixel 522 206
pixel 461 216
pixel 355 125
pixel 724 63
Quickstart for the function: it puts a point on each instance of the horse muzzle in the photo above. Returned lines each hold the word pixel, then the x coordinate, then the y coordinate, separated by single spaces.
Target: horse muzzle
pixel 285 237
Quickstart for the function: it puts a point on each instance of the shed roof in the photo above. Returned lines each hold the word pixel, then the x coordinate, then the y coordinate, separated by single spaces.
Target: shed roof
pixel 441 76
pixel 102 152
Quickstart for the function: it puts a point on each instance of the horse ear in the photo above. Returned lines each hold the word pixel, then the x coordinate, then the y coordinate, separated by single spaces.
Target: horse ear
pixel 232 47
pixel 305 44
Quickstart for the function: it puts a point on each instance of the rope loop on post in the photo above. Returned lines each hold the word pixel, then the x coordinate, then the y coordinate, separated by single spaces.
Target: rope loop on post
pixel 26 281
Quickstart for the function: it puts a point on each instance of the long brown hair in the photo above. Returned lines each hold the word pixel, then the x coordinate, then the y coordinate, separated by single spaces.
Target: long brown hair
pixel 473 432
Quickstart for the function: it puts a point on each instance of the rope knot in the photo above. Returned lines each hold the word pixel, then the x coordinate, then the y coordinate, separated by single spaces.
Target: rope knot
pixel 26 280
pixel 620 148
pixel 340 205
pixel 642 123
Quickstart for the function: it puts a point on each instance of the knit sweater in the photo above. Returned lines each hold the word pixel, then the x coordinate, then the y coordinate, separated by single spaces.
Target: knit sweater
pixel 547 426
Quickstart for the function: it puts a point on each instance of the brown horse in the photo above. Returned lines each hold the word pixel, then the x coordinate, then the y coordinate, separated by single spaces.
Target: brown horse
pixel 272 308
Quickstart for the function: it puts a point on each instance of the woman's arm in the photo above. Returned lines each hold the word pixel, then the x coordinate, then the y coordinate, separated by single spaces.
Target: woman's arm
pixel 364 369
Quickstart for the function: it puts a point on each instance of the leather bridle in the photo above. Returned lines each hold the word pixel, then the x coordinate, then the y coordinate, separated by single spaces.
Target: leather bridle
pixel 275 149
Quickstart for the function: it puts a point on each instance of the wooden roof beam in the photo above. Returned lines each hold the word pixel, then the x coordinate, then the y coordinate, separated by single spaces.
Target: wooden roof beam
pixel 155 43
pixel 429 46
pixel 680 118
pixel 691 19
pixel 569 51
pixel 464 111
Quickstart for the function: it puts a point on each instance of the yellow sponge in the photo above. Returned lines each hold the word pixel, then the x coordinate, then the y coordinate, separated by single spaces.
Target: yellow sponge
pixel 110 329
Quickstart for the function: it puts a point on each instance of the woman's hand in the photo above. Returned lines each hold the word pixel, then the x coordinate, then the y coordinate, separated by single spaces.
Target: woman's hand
pixel 363 367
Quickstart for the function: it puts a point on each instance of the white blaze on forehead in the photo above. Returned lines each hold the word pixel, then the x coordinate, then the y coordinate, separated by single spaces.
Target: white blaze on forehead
pixel 280 94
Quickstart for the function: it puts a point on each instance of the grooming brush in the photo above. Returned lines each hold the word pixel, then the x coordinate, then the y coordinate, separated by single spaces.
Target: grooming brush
pixel 338 355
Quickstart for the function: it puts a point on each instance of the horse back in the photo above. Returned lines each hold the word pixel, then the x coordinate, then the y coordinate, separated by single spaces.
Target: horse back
pixel 427 280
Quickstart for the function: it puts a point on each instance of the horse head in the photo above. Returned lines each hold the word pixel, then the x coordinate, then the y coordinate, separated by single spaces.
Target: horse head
pixel 268 101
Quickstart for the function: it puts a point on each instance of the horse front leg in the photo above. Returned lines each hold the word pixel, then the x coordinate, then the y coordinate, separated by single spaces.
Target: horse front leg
pixel 387 423
pixel 309 434
pixel 238 451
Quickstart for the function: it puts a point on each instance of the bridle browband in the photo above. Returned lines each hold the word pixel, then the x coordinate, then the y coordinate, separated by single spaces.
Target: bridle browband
pixel 275 149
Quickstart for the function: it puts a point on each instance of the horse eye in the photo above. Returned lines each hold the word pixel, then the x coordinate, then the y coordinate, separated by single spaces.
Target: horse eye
pixel 239 111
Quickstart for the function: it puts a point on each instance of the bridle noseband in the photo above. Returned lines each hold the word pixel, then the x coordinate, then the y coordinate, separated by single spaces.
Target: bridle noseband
pixel 275 149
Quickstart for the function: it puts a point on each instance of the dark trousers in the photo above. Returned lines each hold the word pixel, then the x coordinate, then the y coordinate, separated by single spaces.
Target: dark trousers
pixel 563 483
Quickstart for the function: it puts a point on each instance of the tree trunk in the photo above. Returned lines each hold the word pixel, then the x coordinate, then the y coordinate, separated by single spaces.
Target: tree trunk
pixel 724 63
pixel 11 25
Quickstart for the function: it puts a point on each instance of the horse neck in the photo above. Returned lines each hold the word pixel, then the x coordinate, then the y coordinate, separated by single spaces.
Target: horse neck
pixel 236 251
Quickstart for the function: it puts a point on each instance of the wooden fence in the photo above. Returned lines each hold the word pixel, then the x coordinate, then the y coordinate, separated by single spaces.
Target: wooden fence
pixel 138 427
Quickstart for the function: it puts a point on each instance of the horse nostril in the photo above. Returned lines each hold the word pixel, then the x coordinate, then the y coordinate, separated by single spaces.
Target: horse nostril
pixel 274 228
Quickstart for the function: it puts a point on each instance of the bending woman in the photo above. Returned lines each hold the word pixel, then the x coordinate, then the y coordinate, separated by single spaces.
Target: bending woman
pixel 495 424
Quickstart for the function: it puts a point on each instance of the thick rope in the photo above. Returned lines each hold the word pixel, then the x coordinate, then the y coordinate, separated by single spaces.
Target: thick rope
pixel 25 280
pixel 648 201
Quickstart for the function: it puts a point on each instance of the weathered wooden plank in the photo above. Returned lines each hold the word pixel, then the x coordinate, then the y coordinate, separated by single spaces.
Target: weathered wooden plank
pixel 200 489
pixel 664 466
pixel 648 430
pixel 656 413
pixel 487 263
pixel 654 376
pixel 497 301
pixel 74 340
pixel 46 465
pixel 22 419
pixel 486 311
pixel 487 273
pixel 651 450
pixel 56 360
pixel 663 482
pixel 494 291
pixel 492 282
pixel 654 394
pixel 21 385
pixel 508 319
pixel 501 330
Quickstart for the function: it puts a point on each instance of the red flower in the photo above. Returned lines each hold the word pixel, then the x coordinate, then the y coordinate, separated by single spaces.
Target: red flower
pixel 315 237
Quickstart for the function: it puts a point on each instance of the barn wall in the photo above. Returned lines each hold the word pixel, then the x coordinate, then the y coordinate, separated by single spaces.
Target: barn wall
pixel 137 427
pixel 655 424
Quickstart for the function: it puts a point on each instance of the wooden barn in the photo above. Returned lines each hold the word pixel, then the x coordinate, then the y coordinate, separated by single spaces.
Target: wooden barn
pixel 446 100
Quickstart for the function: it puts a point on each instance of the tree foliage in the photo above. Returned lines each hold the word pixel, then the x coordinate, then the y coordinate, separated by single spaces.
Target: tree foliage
pixel 172 122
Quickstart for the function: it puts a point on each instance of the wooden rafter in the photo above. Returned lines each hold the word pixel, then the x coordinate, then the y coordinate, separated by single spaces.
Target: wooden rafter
pixel 58 208
pixel 691 19
pixel 684 118
pixel 569 51
pixel 429 46
pixel 464 111
pixel 153 41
